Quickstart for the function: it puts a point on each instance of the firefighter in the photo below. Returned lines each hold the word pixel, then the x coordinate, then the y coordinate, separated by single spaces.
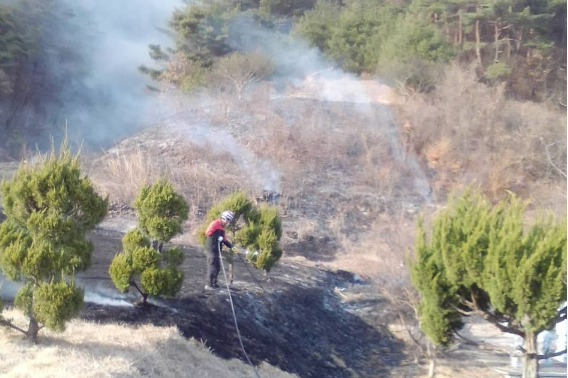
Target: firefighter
pixel 215 239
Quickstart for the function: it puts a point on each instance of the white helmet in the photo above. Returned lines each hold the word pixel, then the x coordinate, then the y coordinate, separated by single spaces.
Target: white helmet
pixel 228 215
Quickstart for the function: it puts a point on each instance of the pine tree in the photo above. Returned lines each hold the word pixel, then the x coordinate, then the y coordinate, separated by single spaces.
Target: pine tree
pixel 483 260
pixel 161 212
pixel 261 235
pixel 49 208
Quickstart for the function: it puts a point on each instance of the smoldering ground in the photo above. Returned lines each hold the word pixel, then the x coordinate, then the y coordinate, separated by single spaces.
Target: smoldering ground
pixel 95 292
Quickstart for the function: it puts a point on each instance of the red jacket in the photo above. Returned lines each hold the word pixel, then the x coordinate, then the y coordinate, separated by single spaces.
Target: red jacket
pixel 213 232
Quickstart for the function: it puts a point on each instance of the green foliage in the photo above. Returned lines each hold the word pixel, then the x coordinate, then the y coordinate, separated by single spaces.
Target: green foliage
pixel 497 70
pixel 460 236
pixel 207 31
pixel 56 303
pixel 526 277
pixel 317 25
pixel 161 211
pixel 133 240
pixel 283 9
pixel 164 282
pixel 364 35
pixel 14 242
pixel 121 271
pixel 267 258
pixel 237 202
pixel 484 258
pixel 144 258
pixel 202 29
pixel 248 234
pixel 24 299
pixel 437 318
pixel 414 39
pixel 49 208
pixel 173 257
pixel 14 46
pixel 357 37
pixel 262 234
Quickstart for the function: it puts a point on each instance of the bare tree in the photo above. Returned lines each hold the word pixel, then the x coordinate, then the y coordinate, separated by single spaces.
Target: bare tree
pixel 240 71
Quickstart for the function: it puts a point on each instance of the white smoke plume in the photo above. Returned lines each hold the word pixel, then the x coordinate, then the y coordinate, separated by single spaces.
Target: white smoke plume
pixel 305 67
pixel 107 96
pixel 106 300
pixel 261 172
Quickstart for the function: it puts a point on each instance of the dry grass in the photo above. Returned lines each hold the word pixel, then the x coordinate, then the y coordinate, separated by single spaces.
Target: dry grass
pixel 343 169
pixel 461 362
pixel 94 350
pixel 121 175
pixel 200 173
pixel 381 251
pixel 468 132
pixel 317 152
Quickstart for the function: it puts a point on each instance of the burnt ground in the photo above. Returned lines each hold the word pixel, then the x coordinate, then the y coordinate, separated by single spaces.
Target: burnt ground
pixel 297 321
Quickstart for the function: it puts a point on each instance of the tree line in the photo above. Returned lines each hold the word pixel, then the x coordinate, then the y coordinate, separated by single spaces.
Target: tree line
pixel 519 42
pixel 37 62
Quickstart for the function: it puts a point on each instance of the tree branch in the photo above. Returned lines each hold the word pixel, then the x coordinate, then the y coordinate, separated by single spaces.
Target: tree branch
pixel 560 317
pixel 491 318
pixel 550 355
pixel 133 283
pixel 541 356
pixel 9 324
pixel 550 159
pixel 481 345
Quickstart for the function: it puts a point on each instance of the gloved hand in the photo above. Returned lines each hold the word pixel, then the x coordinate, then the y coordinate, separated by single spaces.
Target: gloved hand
pixel 220 239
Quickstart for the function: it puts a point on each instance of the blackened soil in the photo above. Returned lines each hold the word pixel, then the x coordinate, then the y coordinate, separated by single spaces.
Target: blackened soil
pixel 296 322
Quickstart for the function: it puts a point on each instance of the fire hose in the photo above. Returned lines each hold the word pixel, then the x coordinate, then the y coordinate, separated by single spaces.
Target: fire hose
pixel 233 308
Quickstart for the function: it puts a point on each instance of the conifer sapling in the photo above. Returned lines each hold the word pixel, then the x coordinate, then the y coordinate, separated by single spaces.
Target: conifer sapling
pixel 161 212
pixel 49 208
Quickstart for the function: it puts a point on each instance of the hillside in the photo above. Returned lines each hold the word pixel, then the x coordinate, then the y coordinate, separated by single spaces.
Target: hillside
pixel 88 349
pixel 358 120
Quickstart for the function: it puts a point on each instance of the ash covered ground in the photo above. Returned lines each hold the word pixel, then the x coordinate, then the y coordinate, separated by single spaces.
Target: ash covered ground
pixel 296 321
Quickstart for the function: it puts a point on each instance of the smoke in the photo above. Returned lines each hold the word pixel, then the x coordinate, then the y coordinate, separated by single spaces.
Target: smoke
pixel 293 57
pixel 106 297
pixel 101 45
pixel 260 172
pixel 93 293
pixel 316 77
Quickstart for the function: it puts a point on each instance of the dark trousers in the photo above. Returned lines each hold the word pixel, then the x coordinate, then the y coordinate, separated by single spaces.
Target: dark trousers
pixel 213 267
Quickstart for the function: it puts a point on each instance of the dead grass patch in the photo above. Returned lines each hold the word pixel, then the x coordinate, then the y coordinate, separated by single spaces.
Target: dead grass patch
pixel 96 350
pixel 380 253
pixel 468 132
